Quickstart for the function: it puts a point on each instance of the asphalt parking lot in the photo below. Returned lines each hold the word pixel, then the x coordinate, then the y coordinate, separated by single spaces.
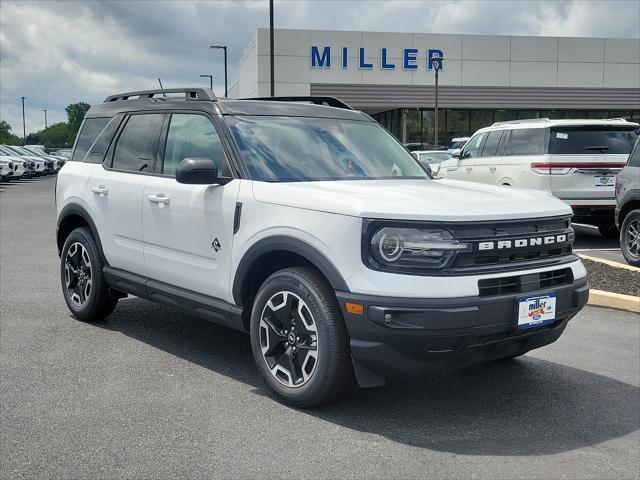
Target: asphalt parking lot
pixel 152 393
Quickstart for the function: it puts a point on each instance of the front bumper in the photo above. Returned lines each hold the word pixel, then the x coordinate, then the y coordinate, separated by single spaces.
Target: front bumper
pixel 423 336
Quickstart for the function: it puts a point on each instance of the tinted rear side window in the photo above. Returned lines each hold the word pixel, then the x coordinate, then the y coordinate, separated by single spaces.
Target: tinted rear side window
pixel 526 141
pixel 491 145
pixel 592 140
pixel 91 128
pixel 634 158
pixel 136 147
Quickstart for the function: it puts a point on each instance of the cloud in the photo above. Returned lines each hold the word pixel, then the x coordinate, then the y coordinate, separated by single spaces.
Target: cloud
pixel 56 53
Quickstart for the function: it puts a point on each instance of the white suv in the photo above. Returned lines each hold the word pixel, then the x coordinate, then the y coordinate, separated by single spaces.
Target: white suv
pixel 575 160
pixel 314 230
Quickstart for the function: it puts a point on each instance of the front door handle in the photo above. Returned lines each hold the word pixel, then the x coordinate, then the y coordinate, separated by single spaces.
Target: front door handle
pixel 492 169
pixel 161 199
pixel 100 190
pixel 469 169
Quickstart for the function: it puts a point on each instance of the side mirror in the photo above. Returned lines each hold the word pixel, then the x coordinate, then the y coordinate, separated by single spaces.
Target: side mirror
pixel 456 153
pixel 415 155
pixel 198 171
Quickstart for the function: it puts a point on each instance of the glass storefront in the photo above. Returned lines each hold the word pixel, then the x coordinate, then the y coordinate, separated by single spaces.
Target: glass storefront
pixel 416 125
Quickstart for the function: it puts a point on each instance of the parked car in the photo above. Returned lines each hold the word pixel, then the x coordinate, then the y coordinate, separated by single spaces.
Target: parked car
pixel 457 143
pixel 432 158
pixel 58 162
pixel 6 170
pixel 575 160
pixel 314 230
pixel 41 166
pixel 628 207
pixel 64 153
pixel 21 167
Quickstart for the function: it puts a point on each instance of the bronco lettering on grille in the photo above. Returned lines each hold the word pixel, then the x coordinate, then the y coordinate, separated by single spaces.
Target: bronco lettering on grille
pixel 522 242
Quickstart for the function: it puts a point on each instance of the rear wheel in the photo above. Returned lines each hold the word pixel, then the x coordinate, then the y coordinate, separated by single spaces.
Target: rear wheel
pixel 608 231
pixel 630 238
pixel 298 338
pixel 83 286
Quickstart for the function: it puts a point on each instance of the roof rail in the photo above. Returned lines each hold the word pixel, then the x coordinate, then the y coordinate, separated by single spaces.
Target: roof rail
pixel 196 93
pixel 527 120
pixel 316 100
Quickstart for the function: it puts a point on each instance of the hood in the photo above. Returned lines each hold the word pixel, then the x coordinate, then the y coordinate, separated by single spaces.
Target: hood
pixel 413 199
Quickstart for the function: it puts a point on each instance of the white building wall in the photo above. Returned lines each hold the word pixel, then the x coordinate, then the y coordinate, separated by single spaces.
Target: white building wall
pixel 470 60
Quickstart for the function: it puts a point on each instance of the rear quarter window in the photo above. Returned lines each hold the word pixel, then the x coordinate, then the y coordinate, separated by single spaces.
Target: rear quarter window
pixel 592 140
pixel 526 141
pixel 89 131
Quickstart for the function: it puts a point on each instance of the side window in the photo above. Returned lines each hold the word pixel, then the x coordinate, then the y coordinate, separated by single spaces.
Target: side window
pixel 491 145
pixel 91 128
pixel 136 146
pixel 99 148
pixel 472 148
pixel 634 158
pixel 526 141
pixel 192 135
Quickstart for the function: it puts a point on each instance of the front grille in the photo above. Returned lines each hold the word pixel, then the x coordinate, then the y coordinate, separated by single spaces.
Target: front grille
pixel 511 233
pixel 524 283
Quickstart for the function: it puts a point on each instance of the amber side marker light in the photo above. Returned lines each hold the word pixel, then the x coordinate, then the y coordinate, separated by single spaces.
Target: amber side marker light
pixel 356 308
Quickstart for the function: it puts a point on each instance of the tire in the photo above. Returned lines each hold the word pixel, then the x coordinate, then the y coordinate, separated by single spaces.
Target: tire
pixel 630 238
pixel 608 231
pixel 83 285
pixel 300 299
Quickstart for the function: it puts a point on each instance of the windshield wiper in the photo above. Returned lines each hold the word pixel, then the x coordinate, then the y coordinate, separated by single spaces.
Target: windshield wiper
pixel 597 147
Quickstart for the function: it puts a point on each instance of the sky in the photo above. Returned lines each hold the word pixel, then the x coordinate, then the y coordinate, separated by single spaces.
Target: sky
pixel 58 52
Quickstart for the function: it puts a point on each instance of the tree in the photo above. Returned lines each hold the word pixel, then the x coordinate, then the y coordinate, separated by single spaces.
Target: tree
pixel 75 114
pixel 56 135
pixel 6 137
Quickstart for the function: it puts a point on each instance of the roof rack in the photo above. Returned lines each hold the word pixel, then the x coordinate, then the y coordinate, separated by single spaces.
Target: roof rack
pixel 527 120
pixel 196 93
pixel 316 100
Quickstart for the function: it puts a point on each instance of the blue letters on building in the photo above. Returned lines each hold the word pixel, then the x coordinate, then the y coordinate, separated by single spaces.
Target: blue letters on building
pixel 431 63
pixel 322 59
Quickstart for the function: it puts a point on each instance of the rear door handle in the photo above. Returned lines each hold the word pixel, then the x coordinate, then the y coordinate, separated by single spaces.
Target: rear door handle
pixel 100 190
pixel 469 169
pixel 161 199
pixel 493 169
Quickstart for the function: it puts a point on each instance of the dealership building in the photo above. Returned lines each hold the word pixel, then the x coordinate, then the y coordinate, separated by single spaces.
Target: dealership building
pixel 483 78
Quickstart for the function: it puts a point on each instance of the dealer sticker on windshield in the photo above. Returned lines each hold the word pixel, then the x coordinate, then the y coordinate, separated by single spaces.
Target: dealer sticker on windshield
pixel 536 311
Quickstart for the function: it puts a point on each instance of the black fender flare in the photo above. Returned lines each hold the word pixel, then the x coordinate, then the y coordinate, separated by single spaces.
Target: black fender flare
pixel 73 209
pixel 286 244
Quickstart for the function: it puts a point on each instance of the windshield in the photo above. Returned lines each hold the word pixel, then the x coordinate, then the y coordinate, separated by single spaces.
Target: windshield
pixel 290 149
pixel 19 151
pixel 435 157
pixel 35 151
pixel 593 140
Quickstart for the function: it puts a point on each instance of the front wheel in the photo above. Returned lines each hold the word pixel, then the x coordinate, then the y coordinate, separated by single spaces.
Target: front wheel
pixel 630 238
pixel 299 340
pixel 83 286
pixel 608 231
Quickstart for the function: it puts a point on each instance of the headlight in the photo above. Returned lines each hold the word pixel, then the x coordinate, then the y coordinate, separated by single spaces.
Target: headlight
pixel 406 249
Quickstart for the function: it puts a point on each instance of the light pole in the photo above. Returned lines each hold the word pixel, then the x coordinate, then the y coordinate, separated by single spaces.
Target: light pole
pixel 45 119
pixel 437 64
pixel 223 47
pixel 24 125
pixel 271 57
pixel 210 77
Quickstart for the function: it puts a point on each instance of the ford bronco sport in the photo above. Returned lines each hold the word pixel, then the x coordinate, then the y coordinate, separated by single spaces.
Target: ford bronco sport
pixel 309 226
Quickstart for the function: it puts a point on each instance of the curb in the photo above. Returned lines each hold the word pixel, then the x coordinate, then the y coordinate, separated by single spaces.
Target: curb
pixel 611 263
pixel 618 301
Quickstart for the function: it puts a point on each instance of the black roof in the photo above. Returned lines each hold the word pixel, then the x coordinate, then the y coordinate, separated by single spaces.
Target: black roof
pixel 204 100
